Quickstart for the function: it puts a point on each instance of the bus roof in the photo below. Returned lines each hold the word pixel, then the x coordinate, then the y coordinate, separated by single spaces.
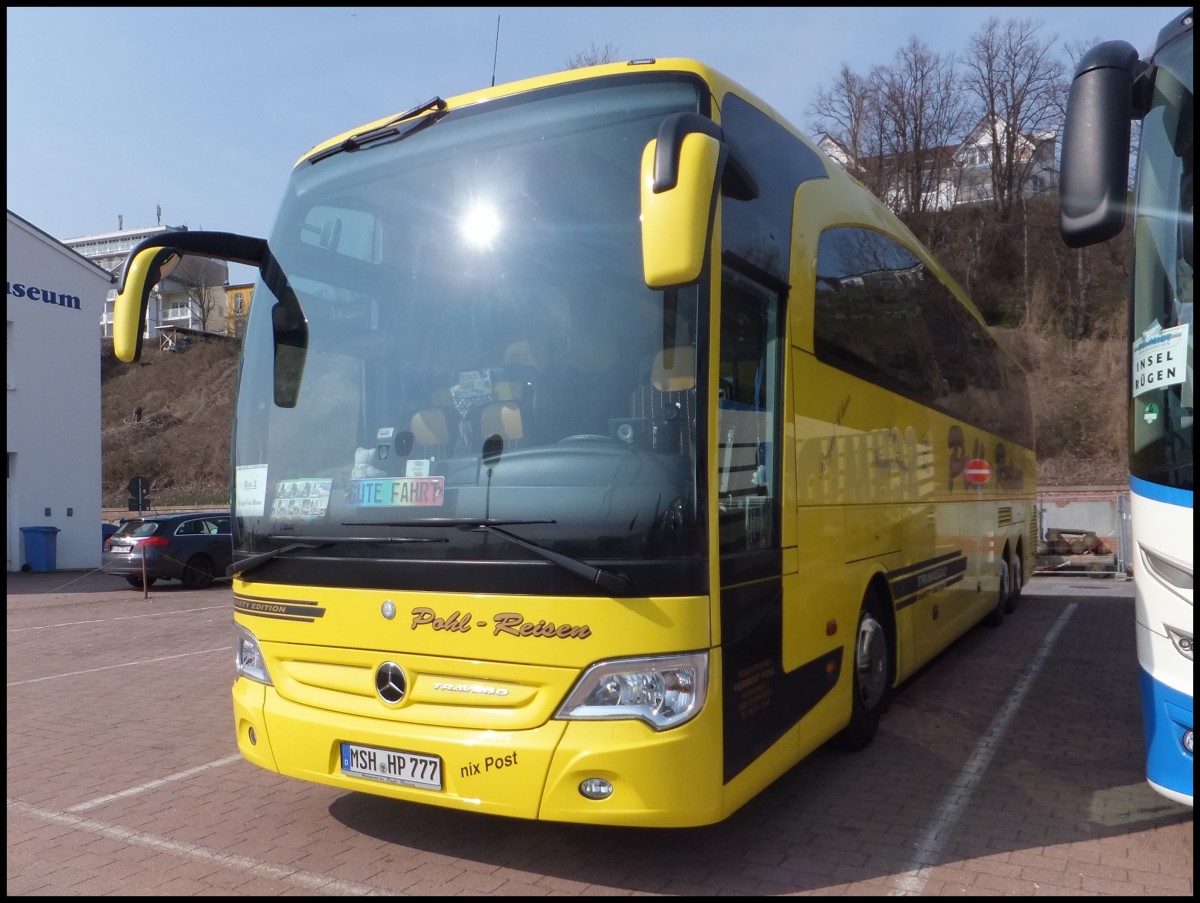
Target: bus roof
pixel 718 82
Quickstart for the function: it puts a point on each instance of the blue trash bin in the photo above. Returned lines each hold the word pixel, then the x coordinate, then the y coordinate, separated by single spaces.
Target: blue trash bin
pixel 41 548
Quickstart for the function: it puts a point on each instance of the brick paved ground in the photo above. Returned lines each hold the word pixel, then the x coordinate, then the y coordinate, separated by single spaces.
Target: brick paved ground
pixel 1010 766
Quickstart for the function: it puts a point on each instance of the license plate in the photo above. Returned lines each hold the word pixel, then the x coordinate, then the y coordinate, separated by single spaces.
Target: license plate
pixel 395 766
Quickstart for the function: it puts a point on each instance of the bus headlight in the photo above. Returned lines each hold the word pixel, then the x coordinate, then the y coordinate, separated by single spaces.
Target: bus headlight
pixel 248 657
pixel 663 691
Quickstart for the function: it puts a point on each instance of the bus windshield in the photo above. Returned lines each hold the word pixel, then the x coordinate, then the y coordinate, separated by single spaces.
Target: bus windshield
pixel 1161 323
pixel 479 342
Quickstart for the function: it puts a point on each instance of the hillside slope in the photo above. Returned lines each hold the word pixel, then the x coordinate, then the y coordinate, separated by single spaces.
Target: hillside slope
pixel 168 419
pixel 180 442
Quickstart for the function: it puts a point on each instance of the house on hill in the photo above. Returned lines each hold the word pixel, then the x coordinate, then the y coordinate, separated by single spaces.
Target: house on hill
pixel 956 174
pixel 191 299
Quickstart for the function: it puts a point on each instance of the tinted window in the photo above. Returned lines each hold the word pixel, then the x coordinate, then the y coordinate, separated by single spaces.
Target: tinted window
pixel 759 230
pixel 884 316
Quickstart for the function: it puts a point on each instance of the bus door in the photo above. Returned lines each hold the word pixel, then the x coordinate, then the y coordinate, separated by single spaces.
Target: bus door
pixel 747 497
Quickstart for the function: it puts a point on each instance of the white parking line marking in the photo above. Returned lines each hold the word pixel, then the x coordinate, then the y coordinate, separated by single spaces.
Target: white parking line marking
pixel 911 883
pixel 310 881
pixel 146 661
pixel 150 785
pixel 154 614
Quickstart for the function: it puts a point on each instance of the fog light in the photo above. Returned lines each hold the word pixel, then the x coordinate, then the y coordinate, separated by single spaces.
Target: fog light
pixel 1187 742
pixel 596 789
pixel 252 737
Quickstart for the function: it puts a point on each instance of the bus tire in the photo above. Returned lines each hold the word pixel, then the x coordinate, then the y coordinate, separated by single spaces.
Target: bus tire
pixel 995 617
pixel 1016 576
pixel 872 687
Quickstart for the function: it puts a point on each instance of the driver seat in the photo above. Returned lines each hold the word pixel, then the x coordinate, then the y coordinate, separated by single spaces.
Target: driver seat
pixel 667 401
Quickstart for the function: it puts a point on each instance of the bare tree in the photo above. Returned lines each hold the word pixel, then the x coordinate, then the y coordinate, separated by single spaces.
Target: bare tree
pixel 593 56
pixel 205 294
pixel 1018 88
pixel 897 126
pixel 920 118
pixel 845 114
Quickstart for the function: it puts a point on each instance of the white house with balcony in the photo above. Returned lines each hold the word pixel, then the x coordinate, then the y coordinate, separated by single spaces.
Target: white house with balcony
pixel 964 170
pixel 192 298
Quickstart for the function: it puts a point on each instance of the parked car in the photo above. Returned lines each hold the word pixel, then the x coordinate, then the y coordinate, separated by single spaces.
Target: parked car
pixel 194 548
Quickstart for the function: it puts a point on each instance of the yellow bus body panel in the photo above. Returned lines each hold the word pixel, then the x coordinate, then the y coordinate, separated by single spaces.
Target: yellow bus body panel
pixel 502 751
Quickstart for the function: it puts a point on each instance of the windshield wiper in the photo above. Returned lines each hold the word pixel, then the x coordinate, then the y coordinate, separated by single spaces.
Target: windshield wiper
pixel 314 542
pixel 389 129
pixel 617 584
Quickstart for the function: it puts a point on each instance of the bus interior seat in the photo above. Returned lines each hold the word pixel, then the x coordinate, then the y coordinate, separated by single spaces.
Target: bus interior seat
pixel 520 368
pixel 503 419
pixel 667 400
pixel 674 369
pixel 430 427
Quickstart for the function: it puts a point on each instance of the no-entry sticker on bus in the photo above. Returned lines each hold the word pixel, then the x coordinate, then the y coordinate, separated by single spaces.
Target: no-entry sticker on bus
pixel 977 471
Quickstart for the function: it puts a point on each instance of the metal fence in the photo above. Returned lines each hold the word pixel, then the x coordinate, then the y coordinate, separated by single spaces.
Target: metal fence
pixel 1084 531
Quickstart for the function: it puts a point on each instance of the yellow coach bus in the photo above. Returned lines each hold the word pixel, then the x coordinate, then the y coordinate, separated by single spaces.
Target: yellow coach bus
pixel 601 450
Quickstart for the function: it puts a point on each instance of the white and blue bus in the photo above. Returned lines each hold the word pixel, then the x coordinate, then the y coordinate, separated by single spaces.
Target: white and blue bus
pixel 1112 88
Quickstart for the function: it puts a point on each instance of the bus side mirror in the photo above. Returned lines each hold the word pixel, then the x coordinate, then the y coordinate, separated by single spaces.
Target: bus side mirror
pixel 144 270
pixel 678 194
pixel 1095 144
pixel 150 262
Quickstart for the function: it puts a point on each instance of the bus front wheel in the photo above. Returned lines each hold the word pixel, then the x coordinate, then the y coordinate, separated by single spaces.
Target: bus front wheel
pixel 872 677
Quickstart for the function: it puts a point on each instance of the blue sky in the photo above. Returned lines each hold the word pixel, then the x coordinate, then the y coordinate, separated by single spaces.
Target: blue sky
pixel 114 111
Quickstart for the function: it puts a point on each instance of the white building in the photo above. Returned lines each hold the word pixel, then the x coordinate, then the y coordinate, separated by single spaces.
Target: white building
pixel 55 299
pixel 192 298
pixel 960 173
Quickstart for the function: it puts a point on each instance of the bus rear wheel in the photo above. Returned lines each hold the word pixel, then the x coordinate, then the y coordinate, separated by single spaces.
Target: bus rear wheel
pixel 872 677
pixel 1016 575
pixel 995 617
